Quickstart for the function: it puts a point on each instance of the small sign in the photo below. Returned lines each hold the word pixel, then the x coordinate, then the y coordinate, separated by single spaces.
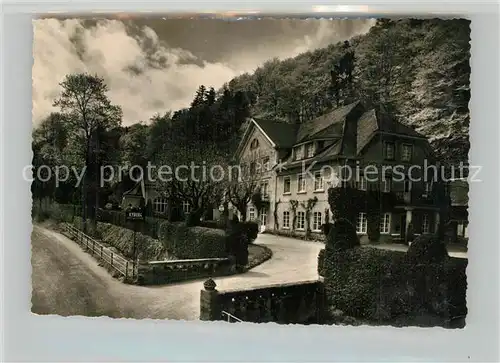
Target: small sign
pixel 134 215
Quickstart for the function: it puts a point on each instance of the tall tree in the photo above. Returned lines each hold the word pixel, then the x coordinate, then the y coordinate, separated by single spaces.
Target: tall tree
pixel 50 139
pixel 89 112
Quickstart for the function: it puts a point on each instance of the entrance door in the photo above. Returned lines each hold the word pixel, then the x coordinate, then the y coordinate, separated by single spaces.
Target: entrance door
pixel 263 221
pixel 263 218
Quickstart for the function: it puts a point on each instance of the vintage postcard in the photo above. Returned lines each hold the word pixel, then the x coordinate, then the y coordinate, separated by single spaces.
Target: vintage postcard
pixel 245 169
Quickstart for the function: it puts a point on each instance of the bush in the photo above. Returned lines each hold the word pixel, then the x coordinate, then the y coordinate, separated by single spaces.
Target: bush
pixel 147 248
pixel 342 235
pixel 380 285
pixel 427 249
pixel 250 229
pixel 237 243
pixel 373 227
pixel 55 211
pixel 192 242
pixel 346 202
pixel 326 228
pixel 321 262
pixel 213 224
pixel 354 279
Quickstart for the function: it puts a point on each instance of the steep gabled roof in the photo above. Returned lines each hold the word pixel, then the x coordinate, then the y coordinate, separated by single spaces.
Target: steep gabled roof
pixel 372 122
pixel 283 134
pixel 367 127
pixel 325 126
pixel 389 125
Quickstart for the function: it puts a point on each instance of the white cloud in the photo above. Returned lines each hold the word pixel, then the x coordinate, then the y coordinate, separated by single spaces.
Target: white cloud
pixel 167 77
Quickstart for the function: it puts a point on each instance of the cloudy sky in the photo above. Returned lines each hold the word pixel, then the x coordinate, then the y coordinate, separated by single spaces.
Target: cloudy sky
pixel 156 64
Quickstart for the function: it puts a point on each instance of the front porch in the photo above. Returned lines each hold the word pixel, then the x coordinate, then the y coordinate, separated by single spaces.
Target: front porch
pixel 410 222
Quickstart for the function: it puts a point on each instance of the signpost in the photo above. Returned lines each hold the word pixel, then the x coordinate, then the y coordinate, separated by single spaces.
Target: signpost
pixel 135 215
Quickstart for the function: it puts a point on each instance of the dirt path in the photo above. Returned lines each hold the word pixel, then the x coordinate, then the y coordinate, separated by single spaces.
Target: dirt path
pixel 68 281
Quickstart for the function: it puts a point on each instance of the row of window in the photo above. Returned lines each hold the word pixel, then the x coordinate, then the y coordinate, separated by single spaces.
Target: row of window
pixel 361 223
pixel 361 184
pixel 317 220
pixel 160 206
pixel 301 183
pixel 307 150
pixel 385 223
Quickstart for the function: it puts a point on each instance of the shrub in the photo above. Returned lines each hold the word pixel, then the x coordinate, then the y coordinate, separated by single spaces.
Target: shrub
pixel 213 224
pixel 151 226
pixel 342 235
pixel 427 249
pixel 250 229
pixel 373 227
pixel 147 248
pixel 355 280
pixel 321 262
pixel 346 202
pixel 381 285
pixel 192 242
pixel 237 243
pixel 326 228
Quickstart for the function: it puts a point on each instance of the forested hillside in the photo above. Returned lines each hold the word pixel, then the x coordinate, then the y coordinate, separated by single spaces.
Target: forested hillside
pixel 417 69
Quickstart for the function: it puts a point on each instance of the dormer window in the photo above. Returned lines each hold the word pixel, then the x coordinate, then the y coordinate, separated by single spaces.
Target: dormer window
pixel 389 150
pixel 310 150
pixel 321 145
pixel 406 152
pixel 299 152
pixel 254 144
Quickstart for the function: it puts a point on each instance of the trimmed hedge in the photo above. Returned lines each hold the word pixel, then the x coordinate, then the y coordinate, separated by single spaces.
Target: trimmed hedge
pixel 148 249
pixel 380 285
pixel 237 243
pixel 321 262
pixel 342 235
pixel 192 242
pixel 427 249
pixel 213 224
pixel 250 229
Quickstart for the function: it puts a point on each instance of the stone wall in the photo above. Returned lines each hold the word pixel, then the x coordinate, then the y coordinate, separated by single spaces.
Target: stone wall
pixel 164 272
pixel 298 303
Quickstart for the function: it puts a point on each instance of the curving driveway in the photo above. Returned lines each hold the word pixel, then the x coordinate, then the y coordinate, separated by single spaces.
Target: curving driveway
pixel 68 281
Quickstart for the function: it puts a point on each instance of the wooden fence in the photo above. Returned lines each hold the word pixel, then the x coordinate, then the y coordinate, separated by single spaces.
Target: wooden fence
pixel 99 251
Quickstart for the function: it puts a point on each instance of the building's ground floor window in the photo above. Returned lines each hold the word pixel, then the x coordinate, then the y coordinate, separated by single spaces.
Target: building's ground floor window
pixel 263 218
pixel 286 219
pixel 385 223
pixel 301 220
pixel 361 223
pixel 160 205
pixel 426 225
pixel 251 213
pixel 316 221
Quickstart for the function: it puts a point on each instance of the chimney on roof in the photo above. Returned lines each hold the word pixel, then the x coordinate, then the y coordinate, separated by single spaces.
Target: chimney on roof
pixel 350 134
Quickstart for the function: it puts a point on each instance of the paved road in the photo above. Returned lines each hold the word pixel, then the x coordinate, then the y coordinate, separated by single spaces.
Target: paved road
pixel 67 281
